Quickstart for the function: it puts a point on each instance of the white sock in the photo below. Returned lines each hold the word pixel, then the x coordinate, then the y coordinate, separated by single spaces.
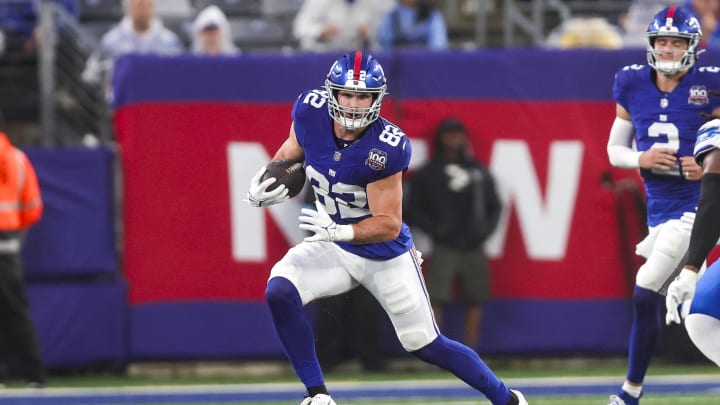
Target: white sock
pixel 633 390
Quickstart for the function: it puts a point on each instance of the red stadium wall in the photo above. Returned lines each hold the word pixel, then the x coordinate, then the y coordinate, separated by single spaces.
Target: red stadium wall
pixel 196 257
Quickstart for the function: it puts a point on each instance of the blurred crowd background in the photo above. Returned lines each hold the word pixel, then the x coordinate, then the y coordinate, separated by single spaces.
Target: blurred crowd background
pixel 50 91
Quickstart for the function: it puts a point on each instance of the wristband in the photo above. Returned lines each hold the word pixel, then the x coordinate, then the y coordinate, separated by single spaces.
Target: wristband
pixel 344 233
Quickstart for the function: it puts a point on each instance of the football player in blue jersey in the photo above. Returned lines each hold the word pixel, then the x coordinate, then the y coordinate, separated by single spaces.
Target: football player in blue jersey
pixel 703 321
pixel 659 109
pixel 354 160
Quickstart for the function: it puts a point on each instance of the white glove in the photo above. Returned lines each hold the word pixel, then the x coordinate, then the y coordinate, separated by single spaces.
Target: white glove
pixel 680 291
pixel 323 227
pixel 257 196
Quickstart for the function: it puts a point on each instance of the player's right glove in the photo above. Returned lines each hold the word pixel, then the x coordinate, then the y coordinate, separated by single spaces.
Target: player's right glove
pixel 680 291
pixel 258 196
pixel 324 229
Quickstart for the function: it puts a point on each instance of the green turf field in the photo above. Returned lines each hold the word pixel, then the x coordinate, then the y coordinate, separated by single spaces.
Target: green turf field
pixel 528 373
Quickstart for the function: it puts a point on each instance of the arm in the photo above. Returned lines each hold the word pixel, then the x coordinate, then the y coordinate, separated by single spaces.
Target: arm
pixel 438 38
pixel 619 146
pixel 385 201
pixel 622 154
pixel 258 194
pixel 706 228
pixel 290 149
pixel 494 205
pixel 31 205
pixel 309 23
pixel 704 235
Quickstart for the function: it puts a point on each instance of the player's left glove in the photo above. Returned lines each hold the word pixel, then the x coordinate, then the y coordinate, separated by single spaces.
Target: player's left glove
pixel 680 291
pixel 257 194
pixel 323 227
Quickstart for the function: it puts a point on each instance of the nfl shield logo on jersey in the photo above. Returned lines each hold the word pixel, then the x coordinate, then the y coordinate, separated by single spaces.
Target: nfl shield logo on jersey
pixel 698 95
pixel 377 159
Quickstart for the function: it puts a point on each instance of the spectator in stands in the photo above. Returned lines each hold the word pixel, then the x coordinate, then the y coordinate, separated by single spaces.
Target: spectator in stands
pixel 19 18
pixel 453 199
pixel 20 194
pixel 585 32
pixel 138 32
pixel 641 11
pixel 331 25
pixel 413 23
pixel 211 33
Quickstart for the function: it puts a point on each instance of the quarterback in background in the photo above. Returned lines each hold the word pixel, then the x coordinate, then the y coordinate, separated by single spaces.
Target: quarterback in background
pixel 659 109
pixel 703 321
pixel 354 160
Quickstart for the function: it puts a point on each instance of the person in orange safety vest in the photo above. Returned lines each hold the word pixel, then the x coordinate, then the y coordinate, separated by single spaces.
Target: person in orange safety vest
pixel 20 207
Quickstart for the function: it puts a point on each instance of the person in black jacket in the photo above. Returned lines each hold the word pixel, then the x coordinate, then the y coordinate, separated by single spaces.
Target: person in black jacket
pixel 453 199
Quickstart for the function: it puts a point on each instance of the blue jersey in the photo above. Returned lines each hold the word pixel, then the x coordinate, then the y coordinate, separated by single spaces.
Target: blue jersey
pixel 668 120
pixel 339 176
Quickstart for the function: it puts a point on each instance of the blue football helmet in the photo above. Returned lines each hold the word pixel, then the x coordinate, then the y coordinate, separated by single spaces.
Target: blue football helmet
pixel 674 22
pixel 357 72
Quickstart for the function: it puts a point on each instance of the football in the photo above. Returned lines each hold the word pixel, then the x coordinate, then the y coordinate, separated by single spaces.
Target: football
pixel 288 172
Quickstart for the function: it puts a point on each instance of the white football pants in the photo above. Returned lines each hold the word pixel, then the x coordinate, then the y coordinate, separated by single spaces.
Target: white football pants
pixel 322 269
pixel 663 248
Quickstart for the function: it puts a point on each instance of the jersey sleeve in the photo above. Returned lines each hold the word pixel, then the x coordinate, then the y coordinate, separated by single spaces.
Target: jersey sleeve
pixel 399 156
pixel 712 77
pixel 298 110
pixel 622 79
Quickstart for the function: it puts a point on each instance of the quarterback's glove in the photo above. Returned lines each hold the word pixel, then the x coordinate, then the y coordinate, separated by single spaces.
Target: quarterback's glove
pixel 680 291
pixel 258 196
pixel 323 227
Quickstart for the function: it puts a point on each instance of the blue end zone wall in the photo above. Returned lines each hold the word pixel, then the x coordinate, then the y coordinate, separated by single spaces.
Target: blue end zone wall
pixel 77 296
pixel 192 330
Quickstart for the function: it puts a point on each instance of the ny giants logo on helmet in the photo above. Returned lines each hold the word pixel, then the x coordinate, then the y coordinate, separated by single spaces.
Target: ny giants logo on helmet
pixel 377 160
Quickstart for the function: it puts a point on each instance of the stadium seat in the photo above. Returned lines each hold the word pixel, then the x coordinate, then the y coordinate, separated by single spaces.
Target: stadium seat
pixel 173 9
pixel 100 9
pixel 281 7
pixel 258 33
pixel 98 28
pixel 234 8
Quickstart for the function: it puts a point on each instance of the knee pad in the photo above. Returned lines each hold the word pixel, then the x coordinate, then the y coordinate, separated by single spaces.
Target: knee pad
pixel 280 292
pixel 667 251
pixel 673 239
pixel 415 340
pixel 398 298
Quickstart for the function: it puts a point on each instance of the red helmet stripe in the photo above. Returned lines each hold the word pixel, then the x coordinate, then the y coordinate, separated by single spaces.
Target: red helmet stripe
pixel 356 65
pixel 670 17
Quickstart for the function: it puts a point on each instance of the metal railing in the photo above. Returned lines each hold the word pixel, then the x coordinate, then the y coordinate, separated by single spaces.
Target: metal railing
pixel 70 109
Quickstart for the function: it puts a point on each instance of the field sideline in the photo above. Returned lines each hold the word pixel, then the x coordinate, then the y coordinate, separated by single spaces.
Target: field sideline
pixel 689 388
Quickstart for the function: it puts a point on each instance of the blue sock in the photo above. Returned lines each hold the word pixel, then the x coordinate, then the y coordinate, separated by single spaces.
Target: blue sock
pixel 647 321
pixel 293 330
pixel 466 365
